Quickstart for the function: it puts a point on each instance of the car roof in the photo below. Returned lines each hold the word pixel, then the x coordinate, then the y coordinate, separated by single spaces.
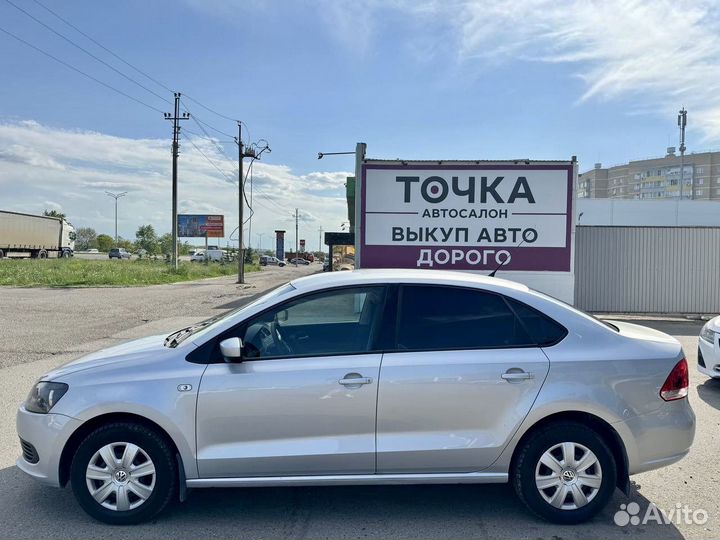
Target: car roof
pixel 393 275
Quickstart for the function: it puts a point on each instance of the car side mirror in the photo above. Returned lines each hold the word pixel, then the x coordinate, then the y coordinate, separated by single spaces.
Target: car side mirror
pixel 231 349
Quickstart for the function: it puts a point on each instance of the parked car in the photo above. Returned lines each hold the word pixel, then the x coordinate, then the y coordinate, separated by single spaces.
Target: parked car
pixel 298 260
pixel 709 349
pixel 267 260
pixel 197 256
pixel 119 253
pixel 367 377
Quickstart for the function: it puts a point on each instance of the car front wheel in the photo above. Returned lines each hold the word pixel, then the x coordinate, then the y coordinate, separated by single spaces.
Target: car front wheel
pixel 124 473
pixel 565 473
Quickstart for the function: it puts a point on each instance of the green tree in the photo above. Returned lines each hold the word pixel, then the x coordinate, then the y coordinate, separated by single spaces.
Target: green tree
pixel 105 242
pixel 249 255
pixel 165 242
pixel 85 238
pixel 145 238
pixel 125 243
pixel 54 213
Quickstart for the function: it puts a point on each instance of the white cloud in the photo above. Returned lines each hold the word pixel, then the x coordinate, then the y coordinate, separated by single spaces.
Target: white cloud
pixel 47 168
pixel 661 54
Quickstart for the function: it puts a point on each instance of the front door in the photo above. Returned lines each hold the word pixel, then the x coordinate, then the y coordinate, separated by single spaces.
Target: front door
pixel 303 399
pixel 463 377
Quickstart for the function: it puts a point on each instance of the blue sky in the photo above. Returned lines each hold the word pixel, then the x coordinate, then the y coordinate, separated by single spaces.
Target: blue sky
pixel 455 79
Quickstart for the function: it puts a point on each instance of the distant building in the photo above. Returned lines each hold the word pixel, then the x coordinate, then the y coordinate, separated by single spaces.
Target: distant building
pixel 657 178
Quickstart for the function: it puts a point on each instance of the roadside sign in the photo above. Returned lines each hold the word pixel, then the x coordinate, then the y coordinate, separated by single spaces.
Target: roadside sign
pixel 467 216
pixel 201 225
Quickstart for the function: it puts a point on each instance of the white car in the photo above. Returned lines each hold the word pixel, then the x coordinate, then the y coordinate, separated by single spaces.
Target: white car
pixel 709 349
pixel 213 255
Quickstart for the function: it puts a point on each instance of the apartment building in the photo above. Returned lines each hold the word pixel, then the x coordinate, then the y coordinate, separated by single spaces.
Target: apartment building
pixel 657 178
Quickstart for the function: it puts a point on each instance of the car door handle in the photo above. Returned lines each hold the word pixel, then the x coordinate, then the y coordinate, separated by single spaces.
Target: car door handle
pixel 354 381
pixel 517 375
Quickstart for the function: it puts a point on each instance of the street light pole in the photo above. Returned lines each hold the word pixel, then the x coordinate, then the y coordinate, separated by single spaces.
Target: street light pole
pixel 116 196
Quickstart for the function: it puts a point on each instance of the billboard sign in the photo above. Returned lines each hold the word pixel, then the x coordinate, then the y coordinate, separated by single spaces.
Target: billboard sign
pixel 463 216
pixel 200 225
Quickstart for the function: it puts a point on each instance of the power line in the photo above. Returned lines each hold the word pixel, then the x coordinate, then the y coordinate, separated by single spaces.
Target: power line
pixel 230 179
pixel 38 49
pixel 103 62
pixel 96 42
pixel 126 62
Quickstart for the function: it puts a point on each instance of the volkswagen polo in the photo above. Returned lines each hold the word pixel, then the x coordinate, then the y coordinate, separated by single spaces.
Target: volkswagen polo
pixel 367 377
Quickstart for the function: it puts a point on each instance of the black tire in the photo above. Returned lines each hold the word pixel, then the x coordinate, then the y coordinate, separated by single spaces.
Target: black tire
pixel 42 254
pixel 2 253
pixel 157 449
pixel 527 460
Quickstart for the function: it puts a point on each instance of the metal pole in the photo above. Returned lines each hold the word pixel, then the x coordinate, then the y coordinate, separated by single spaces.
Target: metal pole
pixel 360 149
pixel 251 211
pixel 320 238
pixel 682 122
pixel 241 204
pixel 116 236
pixel 296 238
pixel 116 196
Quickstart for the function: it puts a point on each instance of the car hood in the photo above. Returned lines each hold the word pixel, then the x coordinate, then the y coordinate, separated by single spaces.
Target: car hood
pixel 714 324
pixel 636 331
pixel 151 347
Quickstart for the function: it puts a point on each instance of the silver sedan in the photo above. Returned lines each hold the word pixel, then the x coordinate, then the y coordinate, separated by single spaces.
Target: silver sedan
pixel 367 377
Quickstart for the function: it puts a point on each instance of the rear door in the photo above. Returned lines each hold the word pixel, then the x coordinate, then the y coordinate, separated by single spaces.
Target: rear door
pixel 463 375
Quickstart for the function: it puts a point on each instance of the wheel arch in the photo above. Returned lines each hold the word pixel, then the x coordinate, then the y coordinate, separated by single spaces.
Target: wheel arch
pixel 92 424
pixel 610 435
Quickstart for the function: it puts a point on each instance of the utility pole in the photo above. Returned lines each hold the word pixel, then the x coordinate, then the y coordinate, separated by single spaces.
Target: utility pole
pixel 175 117
pixel 682 122
pixel 320 239
pixel 241 204
pixel 296 238
pixel 251 212
pixel 260 235
pixel 116 196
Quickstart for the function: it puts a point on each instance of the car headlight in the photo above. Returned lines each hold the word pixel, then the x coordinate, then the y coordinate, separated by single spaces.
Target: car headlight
pixel 44 396
pixel 707 334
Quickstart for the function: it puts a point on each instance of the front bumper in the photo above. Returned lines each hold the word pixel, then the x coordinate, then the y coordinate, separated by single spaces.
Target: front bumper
pixel 709 355
pixel 48 433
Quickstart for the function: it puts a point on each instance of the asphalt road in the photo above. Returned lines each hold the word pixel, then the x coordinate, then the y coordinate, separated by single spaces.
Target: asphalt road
pixel 44 328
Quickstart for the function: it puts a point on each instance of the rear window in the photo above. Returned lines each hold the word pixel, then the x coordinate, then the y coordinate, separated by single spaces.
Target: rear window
pixel 542 329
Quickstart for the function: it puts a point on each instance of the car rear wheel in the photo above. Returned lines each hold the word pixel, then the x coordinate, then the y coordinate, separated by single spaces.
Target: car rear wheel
pixel 565 473
pixel 123 474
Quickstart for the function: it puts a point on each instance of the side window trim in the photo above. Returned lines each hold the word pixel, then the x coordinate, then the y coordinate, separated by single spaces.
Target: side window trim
pixel 403 286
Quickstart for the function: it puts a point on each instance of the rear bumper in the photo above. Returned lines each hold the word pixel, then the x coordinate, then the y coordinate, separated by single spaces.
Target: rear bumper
pixel 660 438
pixel 48 433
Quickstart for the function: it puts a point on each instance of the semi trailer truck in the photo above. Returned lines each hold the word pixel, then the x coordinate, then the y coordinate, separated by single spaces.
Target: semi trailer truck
pixel 39 237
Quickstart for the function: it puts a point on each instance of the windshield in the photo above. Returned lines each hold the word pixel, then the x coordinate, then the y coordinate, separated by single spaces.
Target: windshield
pixel 202 327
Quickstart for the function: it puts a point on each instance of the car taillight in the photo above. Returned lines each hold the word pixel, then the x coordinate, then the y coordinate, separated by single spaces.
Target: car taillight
pixel 676 384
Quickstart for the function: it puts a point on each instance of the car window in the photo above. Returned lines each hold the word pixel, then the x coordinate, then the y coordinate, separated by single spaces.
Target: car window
pixel 542 329
pixel 342 321
pixel 435 317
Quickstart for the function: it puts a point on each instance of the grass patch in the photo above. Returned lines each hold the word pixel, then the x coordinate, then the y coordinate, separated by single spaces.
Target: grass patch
pixel 89 273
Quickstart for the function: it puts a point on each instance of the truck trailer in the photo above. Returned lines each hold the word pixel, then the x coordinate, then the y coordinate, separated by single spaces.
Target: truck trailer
pixel 39 237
